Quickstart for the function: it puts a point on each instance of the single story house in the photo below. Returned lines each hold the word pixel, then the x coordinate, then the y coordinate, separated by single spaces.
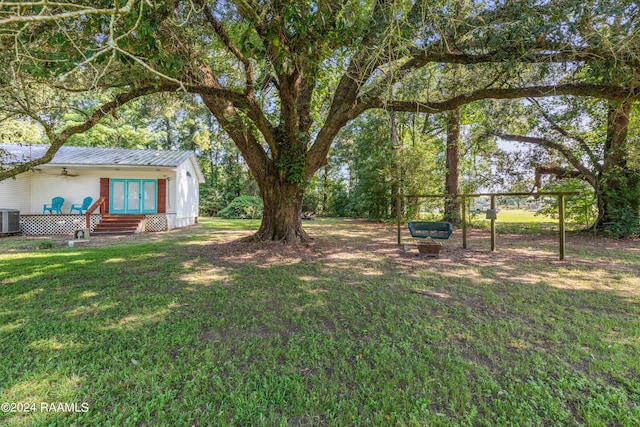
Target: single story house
pixel 160 189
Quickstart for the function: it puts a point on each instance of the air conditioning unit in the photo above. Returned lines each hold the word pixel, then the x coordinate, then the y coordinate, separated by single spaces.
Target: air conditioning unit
pixel 9 221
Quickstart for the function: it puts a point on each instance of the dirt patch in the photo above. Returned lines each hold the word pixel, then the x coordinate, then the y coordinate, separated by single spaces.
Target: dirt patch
pixel 361 239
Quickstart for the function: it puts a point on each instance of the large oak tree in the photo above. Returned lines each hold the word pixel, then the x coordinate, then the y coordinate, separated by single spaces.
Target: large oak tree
pixel 600 155
pixel 283 77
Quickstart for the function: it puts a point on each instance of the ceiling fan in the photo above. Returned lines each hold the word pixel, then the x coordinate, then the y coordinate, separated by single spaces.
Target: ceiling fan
pixel 65 172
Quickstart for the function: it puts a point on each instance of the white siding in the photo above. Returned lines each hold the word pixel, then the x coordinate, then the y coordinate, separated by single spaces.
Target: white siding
pixel 49 184
pixel 171 194
pixel 187 190
pixel 15 193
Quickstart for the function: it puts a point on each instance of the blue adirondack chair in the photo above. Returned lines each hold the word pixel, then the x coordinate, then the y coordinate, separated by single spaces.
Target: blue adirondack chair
pixel 56 205
pixel 83 207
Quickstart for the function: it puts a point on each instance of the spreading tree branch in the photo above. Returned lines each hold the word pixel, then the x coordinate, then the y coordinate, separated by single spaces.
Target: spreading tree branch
pixel 575 89
pixel 579 167
pixel 558 171
pixel 583 144
pixel 230 120
pixel 532 55
pixel 223 35
pixel 45 6
pixel 342 109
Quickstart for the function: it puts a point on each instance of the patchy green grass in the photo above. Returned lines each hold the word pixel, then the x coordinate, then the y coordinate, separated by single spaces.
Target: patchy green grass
pixel 192 328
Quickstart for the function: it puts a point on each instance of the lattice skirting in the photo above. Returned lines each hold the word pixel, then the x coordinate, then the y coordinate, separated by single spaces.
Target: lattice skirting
pixel 158 222
pixel 67 224
pixel 55 224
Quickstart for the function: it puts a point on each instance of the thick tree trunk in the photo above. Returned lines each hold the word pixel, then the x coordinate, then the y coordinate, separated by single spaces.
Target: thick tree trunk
pixel 619 195
pixel 168 143
pixel 452 211
pixel 325 190
pixel 282 215
pixel 396 180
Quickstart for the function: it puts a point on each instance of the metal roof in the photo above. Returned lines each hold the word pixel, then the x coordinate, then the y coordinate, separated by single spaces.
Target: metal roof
pixel 71 155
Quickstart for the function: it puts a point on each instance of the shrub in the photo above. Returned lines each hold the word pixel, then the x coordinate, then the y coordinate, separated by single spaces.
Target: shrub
pixel 210 202
pixel 582 209
pixel 243 207
pixel 625 225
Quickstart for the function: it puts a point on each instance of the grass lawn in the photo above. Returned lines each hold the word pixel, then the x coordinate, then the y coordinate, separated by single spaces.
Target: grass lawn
pixel 193 328
pixel 522 221
pixel 523 216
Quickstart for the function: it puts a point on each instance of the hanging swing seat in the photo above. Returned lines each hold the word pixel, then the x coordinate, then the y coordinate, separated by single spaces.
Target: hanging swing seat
pixel 424 233
pixel 430 229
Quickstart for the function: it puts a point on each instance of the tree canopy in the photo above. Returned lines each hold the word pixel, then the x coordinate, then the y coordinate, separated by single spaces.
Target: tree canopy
pixel 283 78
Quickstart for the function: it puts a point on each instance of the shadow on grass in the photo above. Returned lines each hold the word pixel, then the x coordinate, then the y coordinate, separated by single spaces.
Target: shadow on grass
pixel 348 330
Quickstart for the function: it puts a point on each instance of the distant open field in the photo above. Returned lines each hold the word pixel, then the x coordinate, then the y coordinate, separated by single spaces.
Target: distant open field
pixel 519 220
pixel 522 216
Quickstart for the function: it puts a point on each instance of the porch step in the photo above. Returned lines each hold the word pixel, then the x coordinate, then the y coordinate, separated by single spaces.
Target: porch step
pixel 118 224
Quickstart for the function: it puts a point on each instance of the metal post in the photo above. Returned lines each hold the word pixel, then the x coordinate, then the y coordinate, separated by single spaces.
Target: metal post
pixel 464 222
pixel 398 216
pixel 493 224
pixel 561 225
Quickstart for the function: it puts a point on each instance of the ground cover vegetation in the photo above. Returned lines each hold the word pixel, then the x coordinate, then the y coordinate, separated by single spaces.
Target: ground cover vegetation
pixel 194 328
pixel 283 80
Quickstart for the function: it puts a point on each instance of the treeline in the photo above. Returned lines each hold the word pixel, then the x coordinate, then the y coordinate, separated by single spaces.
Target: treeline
pixel 510 146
